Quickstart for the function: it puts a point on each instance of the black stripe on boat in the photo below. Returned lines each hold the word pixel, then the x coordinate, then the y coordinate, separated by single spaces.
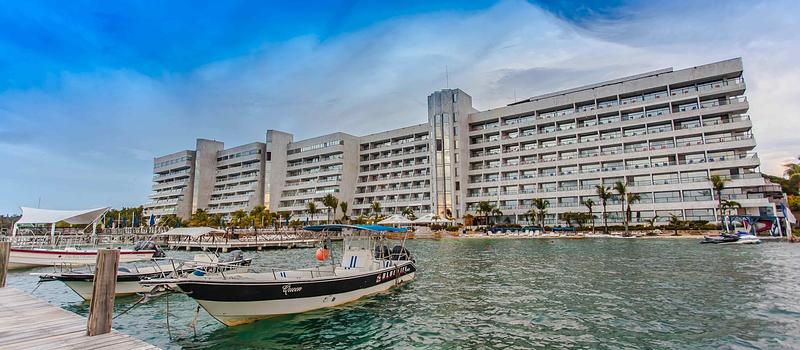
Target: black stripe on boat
pixel 237 290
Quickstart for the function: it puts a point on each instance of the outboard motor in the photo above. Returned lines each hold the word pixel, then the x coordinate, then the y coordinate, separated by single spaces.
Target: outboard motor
pixel 149 245
pixel 400 253
pixel 382 252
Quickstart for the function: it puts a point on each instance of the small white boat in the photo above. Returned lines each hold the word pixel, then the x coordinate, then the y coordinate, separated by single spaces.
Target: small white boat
pixel 129 277
pixel 367 266
pixel 40 244
pixel 22 258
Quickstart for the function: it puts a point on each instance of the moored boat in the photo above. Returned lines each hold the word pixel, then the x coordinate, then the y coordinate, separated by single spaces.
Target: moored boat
pixel 367 266
pixel 37 248
pixel 22 258
pixel 725 239
pixel 129 277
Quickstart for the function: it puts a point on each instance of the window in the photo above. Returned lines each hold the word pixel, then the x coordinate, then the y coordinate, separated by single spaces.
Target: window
pixel 667 197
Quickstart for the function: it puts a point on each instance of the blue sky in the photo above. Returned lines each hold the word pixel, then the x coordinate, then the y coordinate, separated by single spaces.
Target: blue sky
pixel 90 92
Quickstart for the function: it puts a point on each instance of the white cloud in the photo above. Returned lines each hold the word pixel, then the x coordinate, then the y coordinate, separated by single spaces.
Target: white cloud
pixel 379 78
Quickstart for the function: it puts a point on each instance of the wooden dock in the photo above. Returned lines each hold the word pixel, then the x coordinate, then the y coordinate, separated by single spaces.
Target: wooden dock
pixel 30 323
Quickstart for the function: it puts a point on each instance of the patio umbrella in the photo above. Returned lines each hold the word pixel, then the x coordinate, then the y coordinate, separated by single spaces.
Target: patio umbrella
pixel 396 219
pixel 429 219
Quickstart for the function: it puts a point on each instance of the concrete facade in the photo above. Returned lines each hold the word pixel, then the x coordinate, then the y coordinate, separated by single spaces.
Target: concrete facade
pixel 663 133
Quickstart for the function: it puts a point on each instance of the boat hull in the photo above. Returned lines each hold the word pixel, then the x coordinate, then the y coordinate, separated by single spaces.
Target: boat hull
pixel 84 288
pixel 130 283
pixel 29 258
pixel 245 302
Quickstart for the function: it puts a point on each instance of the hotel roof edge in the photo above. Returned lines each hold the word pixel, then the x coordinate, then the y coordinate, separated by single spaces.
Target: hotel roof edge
pixel 616 81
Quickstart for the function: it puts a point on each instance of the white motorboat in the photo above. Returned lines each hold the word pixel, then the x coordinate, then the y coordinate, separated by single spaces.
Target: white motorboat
pixel 129 277
pixel 367 266
pixel 37 249
pixel 22 258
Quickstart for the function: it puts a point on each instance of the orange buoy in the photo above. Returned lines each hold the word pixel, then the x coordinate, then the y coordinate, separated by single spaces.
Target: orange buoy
pixel 322 254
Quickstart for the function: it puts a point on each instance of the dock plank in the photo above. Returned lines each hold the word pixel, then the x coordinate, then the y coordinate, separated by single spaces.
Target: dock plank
pixel 30 323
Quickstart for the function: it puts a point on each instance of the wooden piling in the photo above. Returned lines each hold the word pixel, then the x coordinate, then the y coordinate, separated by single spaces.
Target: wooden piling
pixel 5 256
pixel 101 309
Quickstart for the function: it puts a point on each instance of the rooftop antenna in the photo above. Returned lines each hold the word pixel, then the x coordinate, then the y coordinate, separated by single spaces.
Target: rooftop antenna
pixel 446 77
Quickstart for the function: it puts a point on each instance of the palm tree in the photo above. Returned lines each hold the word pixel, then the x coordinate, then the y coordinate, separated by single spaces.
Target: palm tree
pixel 408 213
pixel 311 208
pixel 331 202
pixel 541 210
pixel 238 218
pixel 675 222
pixel 531 214
pixel 257 213
pixel 497 212
pixel 589 203
pixel 568 217
pixel 215 220
pixel 604 193
pixel 376 210
pixel 287 216
pixel 170 220
pixel 631 198
pixel 343 205
pixel 485 208
pixel 622 191
pixel 295 224
pixel 718 184
pixel 726 206
pixel 651 223
pixel 199 218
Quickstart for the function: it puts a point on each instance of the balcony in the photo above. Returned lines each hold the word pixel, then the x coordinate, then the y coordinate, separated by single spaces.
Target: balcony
pixel 236 198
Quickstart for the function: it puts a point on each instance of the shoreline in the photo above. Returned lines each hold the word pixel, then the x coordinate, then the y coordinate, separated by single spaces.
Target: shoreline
pixel 589 236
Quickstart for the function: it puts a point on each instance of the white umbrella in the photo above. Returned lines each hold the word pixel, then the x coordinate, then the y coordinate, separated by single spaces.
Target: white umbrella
pixel 431 219
pixel 396 219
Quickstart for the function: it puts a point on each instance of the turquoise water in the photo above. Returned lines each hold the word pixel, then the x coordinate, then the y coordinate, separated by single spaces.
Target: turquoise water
pixel 500 293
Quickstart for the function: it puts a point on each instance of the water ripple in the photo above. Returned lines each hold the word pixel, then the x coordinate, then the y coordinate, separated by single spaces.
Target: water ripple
pixel 522 294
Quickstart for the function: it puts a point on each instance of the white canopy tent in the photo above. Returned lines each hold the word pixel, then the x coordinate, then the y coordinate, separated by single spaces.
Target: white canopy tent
pixel 396 219
pixel 36 216
pixel 192 232
pixel 432 219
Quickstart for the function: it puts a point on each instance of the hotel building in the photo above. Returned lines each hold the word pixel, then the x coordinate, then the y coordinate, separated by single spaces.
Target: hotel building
pixel 662 132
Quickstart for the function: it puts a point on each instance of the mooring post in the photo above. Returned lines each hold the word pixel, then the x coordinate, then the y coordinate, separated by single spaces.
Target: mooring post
pixel 105 282
pixel 5 256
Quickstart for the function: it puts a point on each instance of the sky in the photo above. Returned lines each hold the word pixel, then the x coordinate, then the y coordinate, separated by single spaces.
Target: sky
pixel 91 91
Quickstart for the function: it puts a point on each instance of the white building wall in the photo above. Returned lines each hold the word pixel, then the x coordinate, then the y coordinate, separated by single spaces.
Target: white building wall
pixel 662 132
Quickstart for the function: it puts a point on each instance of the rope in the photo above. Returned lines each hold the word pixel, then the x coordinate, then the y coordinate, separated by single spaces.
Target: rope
pixel 37 286
pixel 193 324
pixel 130 308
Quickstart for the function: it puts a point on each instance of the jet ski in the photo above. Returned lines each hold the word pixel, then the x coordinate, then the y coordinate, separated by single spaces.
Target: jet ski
pixel 722 238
